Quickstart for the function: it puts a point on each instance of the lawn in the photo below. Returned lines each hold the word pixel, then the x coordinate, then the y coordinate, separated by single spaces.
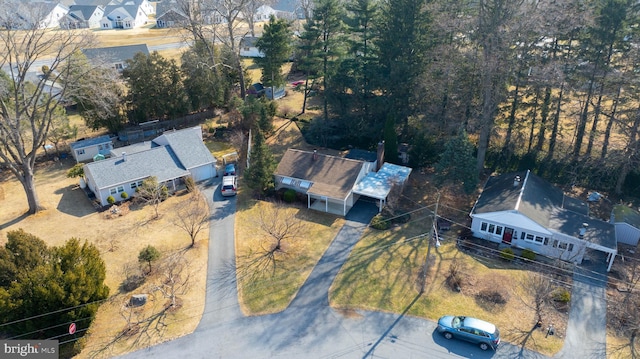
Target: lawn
pixel 385 271
pixel 267 285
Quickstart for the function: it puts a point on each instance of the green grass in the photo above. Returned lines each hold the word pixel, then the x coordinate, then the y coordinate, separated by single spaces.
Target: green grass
pixel 271 288
pixel 384 272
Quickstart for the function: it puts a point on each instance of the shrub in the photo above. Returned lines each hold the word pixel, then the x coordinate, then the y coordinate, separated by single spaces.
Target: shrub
pixel 562 295
pixel 190 184
pixel 111 200
pixel 454 277
pixel 379 222
pixel 289 196
pixel 528 254
pixel 493 296
pixel 124 195
pixel 507 254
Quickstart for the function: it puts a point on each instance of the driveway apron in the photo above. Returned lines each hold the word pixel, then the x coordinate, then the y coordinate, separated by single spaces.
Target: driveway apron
pixel 586 328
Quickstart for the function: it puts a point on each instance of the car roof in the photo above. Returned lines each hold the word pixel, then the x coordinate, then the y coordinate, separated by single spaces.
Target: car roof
pixel 230 165
pixel 475 323
pixel 228 179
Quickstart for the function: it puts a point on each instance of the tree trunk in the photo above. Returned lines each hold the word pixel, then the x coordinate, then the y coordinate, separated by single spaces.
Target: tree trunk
pixel 584 116
pixel 596 117
pixel 629 153
pixel 544 116
pixel 534 116
pixel 556 124
pixel 512 115
pixel 607 132
pixel 28 183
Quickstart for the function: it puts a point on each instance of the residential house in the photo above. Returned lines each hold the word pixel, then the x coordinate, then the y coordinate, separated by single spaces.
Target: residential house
pixel 171 157
pixel 83 17
pixel 627 223
pixel 32 15
pixel 263 13
pixel 114 57
pixel 86 149
pixel 126 15
pixel 523 210
pixel 326 180
pixel 289 9
pixel 169 14
pixel 248 47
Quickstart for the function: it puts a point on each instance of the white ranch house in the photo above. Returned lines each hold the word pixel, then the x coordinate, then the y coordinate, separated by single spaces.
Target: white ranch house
pixel 524 211
pixel 170 158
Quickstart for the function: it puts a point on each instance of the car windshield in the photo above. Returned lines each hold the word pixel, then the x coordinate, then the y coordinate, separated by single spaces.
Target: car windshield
pixel 227 188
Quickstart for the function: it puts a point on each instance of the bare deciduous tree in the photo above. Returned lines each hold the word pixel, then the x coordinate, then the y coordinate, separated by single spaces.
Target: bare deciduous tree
pixel 153 193
pixel 192 215
pixel 28 100
pixel 536 292
pixel 175 278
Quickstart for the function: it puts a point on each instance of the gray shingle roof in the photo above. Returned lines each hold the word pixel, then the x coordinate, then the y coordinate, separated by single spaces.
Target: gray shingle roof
pixel 187 145
pixel 331 176
pixel 90 142
pixel 160 162
pixel 82 12
pixel 115 54
pixel 543 203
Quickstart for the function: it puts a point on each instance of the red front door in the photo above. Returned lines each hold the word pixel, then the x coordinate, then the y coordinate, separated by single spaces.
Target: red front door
pixel 507 235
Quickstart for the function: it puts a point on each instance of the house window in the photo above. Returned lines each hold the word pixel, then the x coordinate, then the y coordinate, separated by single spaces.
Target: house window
pixel 546 241
pixel 80 152
pixel 287 181
pixel 499 230
pixel 119 67
pixel 570 247
pixel 539 239
pixel 120 189
pixel 555 243
pixel 483 226
pixel 522 234
pixel 529 237
pixel 492 228
pixel 113 191
pixel 562 245
pixel 133 185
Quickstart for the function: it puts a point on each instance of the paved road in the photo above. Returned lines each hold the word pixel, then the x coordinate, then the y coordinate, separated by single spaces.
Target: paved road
pixel 308 328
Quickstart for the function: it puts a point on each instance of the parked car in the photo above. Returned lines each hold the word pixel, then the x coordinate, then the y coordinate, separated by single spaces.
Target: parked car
pixel 473 330
pixel 229 170
pixel 229 186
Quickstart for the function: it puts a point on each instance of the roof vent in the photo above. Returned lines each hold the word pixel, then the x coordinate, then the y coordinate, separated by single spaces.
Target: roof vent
pixel 583 230
pixel 517 180
pixel 124 157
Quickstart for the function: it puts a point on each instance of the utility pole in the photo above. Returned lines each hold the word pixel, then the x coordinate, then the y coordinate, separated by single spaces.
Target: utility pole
pixel 426 259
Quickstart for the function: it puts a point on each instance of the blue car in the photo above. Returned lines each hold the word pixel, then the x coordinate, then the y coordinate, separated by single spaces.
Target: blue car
pixel 229 170
pixel 476 331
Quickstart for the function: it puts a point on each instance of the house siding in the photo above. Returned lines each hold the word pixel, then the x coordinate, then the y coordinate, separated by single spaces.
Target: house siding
pixel 87 153
pixel 627 234
pixel 202 173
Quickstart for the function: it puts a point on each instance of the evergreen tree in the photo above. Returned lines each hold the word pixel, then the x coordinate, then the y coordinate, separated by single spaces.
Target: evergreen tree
pixel 206 82
pixel 155 87
pixel 149 254
pixel 322 42
pixel 59 285
pixel 275 45
pixel 457 163
pixel 390 139
pixel 259 173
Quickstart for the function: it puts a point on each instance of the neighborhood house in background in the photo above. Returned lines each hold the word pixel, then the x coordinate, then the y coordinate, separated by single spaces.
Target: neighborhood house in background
pixel 86 149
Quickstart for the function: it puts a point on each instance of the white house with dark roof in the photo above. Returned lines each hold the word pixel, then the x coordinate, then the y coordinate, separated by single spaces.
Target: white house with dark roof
pixel 83 17
pixel 523 210
pixel 170 158
pixel 126 14
pixel 85 150
pixel 248 47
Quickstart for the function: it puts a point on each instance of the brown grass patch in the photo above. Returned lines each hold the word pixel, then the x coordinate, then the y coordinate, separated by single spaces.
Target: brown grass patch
pixel 69 213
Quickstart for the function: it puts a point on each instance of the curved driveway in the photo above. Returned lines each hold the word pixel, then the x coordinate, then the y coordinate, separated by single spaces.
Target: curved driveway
pixel 308 328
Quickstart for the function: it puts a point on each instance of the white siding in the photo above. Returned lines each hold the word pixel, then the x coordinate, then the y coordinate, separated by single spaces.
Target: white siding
pixel 203 172
pixel 627 234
